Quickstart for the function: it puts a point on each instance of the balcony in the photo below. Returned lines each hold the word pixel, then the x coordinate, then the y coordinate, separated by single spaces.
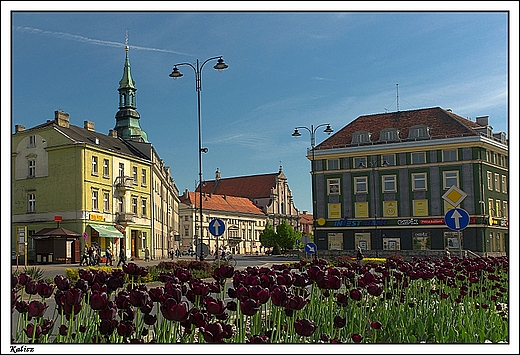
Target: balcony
pixel 125 217
pixel 124 184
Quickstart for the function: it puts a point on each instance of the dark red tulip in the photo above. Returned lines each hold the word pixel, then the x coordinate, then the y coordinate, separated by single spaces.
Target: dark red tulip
pixel 172 310
pixel 127 314
pixel 156 294
pixel 109 312
pixel 73 296
pixel 182 274
pixel 37 309
pixel 304 327
pixel 82 285
pixel 356 338
pixel 213 332
pixel 123 300
pixel 23 279
pixel 339 322
pixel 98 301
pixel 301 280
pixel 14 281
pixel 376 325
pixel 374 289
pixel 279 296
pixel 258 339
pixel 31 287
pixel 125 328
pixel 296 303
pixel 22 306
pixel 214 306
pixel 150 319
pixel 138 298
pixel 33 331
pixel 232 306
pixel 342 299
pixel 62 282
pixel 63 330
pixel 315 273
pixel 14 299
pixel 324 337
pixel 259 293
pixel 249 307
pixel 355 294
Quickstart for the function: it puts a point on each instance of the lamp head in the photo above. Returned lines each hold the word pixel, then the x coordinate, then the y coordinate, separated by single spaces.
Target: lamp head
pixel 296 133
pixel 328 130
pixel 175 73
pixel 220 65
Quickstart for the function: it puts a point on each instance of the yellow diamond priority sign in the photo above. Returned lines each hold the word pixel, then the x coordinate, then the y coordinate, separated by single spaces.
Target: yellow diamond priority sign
pixel 454 196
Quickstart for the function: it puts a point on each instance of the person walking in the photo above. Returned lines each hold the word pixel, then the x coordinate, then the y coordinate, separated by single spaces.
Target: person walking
pixel 122 257
pixel 146 254
pixel 91 255
pixel 359 255
pixel 84 258
pixel 108 257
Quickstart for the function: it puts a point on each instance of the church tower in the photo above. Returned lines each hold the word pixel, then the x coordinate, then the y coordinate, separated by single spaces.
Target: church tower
pixel 127 118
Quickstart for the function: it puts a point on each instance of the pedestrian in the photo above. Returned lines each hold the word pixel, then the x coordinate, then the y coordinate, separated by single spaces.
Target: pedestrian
pixel 108 257
pixel 91 255
pixel 447 252
pixel 84 258
pixel 122 257
pixel 146 254
pixel 359 255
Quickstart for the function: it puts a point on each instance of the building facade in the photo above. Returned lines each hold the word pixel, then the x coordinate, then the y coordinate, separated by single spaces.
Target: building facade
pixel 244 222
pixel 269 192
pixel 381 183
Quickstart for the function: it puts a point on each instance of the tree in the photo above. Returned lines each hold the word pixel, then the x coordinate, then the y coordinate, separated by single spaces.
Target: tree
pixel 268 237
pixel 287 236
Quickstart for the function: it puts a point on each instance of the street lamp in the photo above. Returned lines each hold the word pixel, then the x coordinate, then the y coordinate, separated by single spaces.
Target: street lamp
pixel 198 87
pixel 312 131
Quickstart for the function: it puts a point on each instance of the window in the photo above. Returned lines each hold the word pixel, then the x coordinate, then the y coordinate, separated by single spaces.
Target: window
pixel 134 172
pixel 389 134
pixel 120 205
pixel 143 207
pixel 360 185
pixel 333 187
pixel 94 165
pixel 418 158
pixel 450 178
pixel 490 180
pixel 106 201
pixel 333 164
pixel 497 182
pixel 143 177
pixel 504 184
pixel 31 202
pixel 389 183
pixel 388 160
pixel 418 131
pixel 95 205
pixel 121 169
pixel 31 168
pixel 31 141
pixel 134 205
pixel 491 207
pixel 360 162
pixel 186 218
pixel 449 155
pixel 418 181
pixel 498 208
pixel 105 167
pixel 505 209
pixel 360 137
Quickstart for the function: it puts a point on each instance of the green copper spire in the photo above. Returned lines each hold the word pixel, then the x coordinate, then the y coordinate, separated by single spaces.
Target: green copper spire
pixel 127 118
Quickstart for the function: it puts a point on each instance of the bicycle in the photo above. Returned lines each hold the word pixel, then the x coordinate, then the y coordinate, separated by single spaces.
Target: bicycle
pixel 229 259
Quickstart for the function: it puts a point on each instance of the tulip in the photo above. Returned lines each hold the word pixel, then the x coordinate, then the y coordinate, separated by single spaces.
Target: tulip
pixel 213 332
pixel 355 294
pixel 23 279
pixel 14 281
pixel 249 307
pixel 258 339
pixel 37 309
pixel 109 312
pixel 339 322
pixel 62 282
pixel 214 306
pixel 63 330
pixel 33 331
pixel 98 301
pixel 125 329
pixel 150 319
pixel 22 306
pixel 138 298
pixel 356 338
pixel 304 327
pixel 172 310
pixel 376 325
pixel 279 296
pixel 31 287
pixel 374 289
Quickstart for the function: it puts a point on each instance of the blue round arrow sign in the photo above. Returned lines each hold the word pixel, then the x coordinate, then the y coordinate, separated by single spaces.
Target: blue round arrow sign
pixel 217 227
pixel 310 248
pixel 456 219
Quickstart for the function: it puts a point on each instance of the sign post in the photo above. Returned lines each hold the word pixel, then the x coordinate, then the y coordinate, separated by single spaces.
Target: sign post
pixel 456 218
pixel 311 248
pixel 216 228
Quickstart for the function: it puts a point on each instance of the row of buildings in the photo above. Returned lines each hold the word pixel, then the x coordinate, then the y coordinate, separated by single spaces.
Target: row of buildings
pixel 379 183
pixel 74 187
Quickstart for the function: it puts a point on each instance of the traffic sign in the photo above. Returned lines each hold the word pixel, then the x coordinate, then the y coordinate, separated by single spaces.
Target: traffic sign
pixel 217 227
pixel 456 219
pixel 310 248
pixel 454 196
pixel 85 235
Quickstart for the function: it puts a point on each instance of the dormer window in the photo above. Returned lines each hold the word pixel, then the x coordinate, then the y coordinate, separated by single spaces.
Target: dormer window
pixel 361 137
pixel 389 134
pixel 419 132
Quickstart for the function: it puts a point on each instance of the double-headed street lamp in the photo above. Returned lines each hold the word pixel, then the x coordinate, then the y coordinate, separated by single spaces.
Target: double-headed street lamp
pixel 198 87
pixel 312 130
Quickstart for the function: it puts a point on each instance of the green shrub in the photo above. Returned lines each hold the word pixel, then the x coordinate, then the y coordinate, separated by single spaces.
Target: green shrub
pixel 72 274
pixel 35 272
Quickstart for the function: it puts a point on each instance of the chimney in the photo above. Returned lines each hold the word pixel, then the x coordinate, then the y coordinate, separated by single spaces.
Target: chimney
pixel 62 119
pixel 112 133
pixel 19 128
pixel 88 125
pixel 217 175
pixel 482 120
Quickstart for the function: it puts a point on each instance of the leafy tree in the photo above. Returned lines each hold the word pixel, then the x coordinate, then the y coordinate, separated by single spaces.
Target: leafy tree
pixel 268 237
pixel 287 236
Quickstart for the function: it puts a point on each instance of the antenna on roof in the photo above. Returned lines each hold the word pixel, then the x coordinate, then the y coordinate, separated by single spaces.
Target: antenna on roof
pixel 126 40
pixel 397 90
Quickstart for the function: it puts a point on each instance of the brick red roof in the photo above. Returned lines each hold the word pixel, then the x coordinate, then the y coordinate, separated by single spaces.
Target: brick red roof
pixel 306 218
pixel 252 187
pixel 221 203
pixel 441 124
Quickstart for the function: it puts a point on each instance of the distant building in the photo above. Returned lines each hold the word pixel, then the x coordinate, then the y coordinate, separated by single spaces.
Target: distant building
pixel 380 182
pixel 269 192
pixel 243 222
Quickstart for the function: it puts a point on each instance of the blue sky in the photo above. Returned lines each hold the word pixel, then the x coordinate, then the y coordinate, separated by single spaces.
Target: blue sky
pixel 286 69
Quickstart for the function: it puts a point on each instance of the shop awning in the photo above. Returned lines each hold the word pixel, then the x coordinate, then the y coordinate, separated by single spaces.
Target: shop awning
pixel 106 231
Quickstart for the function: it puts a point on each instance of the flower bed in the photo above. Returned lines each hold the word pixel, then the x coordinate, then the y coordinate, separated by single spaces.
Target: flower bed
pixel 420 301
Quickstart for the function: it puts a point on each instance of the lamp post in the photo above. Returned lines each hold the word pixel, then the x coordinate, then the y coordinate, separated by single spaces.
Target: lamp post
pixel 198 87
pixel 312 130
